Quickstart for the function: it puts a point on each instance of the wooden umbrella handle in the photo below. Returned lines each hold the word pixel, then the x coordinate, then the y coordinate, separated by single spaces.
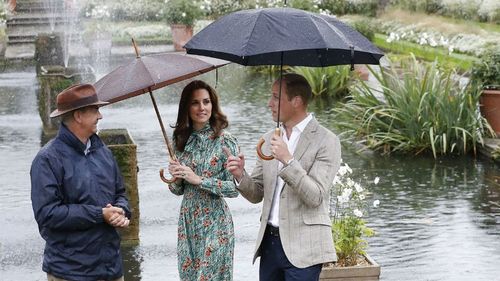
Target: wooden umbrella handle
pixel 261 155
pixel 165 180
pixel 170 149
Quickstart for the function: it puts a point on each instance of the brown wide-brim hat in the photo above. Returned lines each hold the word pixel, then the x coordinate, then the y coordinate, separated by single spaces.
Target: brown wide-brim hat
pixel 75 97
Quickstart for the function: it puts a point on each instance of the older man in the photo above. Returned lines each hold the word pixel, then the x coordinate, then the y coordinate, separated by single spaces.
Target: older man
pixel 295 237
pixel 78 195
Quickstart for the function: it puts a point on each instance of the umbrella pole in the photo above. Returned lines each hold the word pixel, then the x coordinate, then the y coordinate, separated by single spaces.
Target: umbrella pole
pixel 277 130
pixel 167 142
pixel 279 93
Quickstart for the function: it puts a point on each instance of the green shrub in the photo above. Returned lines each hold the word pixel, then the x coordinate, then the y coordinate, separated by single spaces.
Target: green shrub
pixel 342 7
pixel 418 108
pixel 332 82
pixel 123 10
pixel 181 12
pixel 218 8
pixel 334 7
pixel 3 12
pixel 365 7
pixel 306 5
pixel 426 6
pixel 486 73
pixel 366 28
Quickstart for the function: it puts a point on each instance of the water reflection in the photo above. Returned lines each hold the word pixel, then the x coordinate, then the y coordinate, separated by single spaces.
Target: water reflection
pixel 438 219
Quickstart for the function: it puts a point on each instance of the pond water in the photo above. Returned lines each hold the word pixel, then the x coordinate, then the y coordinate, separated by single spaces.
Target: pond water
pixel 437 220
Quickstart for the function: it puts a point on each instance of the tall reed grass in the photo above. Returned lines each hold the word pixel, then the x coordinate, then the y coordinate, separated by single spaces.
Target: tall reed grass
pixel 417 108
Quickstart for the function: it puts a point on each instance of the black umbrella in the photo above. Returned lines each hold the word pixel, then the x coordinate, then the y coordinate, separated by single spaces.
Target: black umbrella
pixel 283 36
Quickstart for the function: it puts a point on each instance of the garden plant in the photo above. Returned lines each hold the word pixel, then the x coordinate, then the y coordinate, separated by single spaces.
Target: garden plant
pixel 418 108
pixel 331 82
pixel 486 73
pixel 348 208
pixel 184 12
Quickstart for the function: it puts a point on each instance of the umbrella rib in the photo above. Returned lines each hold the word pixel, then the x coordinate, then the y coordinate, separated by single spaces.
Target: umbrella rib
pixel 131 72
pixel 251 33
pixel 335 29
pixel 150 75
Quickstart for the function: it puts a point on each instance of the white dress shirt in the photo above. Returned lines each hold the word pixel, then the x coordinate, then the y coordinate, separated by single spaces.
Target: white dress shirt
pixel 291 144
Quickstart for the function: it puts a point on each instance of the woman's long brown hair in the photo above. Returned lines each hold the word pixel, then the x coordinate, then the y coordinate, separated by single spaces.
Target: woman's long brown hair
pixel 184 125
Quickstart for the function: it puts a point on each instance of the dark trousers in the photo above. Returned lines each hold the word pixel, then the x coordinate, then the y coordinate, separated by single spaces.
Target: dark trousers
pixel 275 266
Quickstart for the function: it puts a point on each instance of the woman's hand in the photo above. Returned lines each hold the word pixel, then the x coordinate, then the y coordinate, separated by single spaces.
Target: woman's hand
pixel 183 172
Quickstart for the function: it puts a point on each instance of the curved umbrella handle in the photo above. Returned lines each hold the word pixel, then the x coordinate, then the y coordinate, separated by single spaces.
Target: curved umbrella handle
pixel 170 149
pixel 165 180
pixel 259 147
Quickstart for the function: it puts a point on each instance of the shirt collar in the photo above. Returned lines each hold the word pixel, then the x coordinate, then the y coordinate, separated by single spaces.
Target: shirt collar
pixel 87 148
pixel 302 124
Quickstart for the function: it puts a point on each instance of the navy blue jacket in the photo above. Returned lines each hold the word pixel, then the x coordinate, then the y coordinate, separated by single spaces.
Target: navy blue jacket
pixel 68 191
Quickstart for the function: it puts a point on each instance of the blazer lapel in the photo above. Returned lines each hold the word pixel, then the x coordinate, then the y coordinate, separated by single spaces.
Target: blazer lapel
pixel 305 139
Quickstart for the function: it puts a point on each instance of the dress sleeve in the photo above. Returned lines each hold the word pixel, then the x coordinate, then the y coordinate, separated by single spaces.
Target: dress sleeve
pixel 176 188
pixel 221 182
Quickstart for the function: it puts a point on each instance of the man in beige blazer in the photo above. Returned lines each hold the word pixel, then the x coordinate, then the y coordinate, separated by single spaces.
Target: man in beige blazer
pixel 295 236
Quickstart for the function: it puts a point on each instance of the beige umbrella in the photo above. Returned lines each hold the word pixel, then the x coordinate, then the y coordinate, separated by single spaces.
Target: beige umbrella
pixel 145 74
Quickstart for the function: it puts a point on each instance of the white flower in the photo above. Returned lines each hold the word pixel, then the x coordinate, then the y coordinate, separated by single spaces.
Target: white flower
pixel 432 42
pixel 358 187
pixel 336 180
pixel 376 180
pixel 376 203
pixel 183 15
pixel 342 199
pixel 342 171
pixel 347 192
pixel 358 213
pixel 350 182
pixel 422 41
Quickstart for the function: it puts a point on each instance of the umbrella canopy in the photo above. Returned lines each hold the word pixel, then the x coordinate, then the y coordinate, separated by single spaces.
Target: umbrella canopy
pixel 283 36
pixel 144 74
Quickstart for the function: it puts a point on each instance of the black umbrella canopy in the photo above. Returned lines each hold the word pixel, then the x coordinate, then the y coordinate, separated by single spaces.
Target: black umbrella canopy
pixel 283 36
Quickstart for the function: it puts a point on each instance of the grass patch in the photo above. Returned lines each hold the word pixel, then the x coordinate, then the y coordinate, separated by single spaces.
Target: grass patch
pixel 458 61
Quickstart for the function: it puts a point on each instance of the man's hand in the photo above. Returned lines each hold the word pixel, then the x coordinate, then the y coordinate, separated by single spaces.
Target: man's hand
pixel 115 216
pixel 279 149
pixel 235 164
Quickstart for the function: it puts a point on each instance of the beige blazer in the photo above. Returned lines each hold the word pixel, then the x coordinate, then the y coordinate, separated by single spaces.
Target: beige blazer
pixel 304 222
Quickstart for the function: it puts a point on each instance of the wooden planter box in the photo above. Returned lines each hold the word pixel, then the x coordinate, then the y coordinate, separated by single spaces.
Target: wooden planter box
pixel 490 108
pixel 353 273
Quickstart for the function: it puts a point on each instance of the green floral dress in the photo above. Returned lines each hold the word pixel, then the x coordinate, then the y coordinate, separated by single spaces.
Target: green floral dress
pixel 205 242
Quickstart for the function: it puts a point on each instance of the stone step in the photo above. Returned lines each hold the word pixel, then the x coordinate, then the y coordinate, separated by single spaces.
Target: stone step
pixel 20 52
pixel 20 41
pixel 38 18
pixel 37 7
pixel 31 40
pixel 33 6
pixel 30 36
pixel 33 30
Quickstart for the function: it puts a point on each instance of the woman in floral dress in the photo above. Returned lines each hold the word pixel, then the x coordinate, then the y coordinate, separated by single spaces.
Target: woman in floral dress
pixel 205 242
